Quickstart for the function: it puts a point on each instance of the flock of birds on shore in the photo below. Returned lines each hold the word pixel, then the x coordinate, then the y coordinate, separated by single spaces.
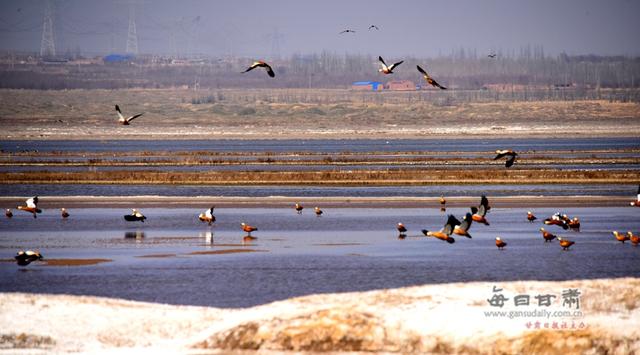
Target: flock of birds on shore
pixel 453 226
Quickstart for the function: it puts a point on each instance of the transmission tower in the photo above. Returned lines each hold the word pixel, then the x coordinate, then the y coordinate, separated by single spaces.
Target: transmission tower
pixel 132 35
pixel 47 45
pixel 276 37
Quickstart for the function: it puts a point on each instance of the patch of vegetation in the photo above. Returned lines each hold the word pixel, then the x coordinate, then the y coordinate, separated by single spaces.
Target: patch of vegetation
pixel 315 111
pixel 209 99
pixel 25 341
pixel 247 111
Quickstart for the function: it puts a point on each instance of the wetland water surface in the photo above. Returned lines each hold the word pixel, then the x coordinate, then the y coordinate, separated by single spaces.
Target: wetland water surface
pixel 347 249
pixel 323 145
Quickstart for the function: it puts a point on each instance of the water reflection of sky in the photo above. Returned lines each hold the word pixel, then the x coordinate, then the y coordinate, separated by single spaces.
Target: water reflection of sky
pixel 347 249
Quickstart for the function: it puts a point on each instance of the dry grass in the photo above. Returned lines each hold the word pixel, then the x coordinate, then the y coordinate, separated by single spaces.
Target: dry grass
pixel 355 177
pixel 320 160
pixel 284 113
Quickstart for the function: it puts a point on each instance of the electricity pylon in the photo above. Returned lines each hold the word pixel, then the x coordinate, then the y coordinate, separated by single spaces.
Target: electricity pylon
pixel 48 45
pixel 132 35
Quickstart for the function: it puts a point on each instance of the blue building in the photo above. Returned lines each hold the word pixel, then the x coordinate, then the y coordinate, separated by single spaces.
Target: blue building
pixel 367 85
pixel 118 58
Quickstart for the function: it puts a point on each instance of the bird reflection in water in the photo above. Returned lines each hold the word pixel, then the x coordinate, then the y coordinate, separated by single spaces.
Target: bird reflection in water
pixel 137 235
pixel 208 237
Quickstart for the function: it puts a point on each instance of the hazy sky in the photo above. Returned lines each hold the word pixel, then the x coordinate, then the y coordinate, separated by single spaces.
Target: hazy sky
pixel 410 27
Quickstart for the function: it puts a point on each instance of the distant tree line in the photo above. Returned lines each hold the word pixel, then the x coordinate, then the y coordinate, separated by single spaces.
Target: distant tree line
pixel 462 70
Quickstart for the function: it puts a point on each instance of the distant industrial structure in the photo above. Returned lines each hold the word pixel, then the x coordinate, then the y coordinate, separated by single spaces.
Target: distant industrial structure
pixel 132 34
pixel 47 44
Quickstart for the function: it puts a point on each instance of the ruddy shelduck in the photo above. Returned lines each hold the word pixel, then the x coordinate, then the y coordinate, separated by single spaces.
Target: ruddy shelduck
pixel 25 258
pixel 480 212
pixel 510 154
pixel 388 69
pixel 247 228
pixel 429 79
pixel 126 120
pixel 565 243
pixel 261 64
pixel 135 216
pixel 547 236
pixel 445 232
pixel 31 206
pixel 621 237
pixel 207 216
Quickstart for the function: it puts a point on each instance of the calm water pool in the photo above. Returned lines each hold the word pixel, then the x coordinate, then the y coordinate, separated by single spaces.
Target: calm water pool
pixel 345 250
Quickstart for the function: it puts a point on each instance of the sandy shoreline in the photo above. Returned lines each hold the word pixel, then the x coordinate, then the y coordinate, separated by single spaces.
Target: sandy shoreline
pixel 446 318
pixel 47 202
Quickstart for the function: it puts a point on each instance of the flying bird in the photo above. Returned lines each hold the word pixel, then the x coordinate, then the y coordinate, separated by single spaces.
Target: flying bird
pixel 492 55
pixel 135 216
pixel 126 121
pixel 429 79
pixel 248 229
pixel 31 206
pixel 373 27
pixel 64 213
pixel 261 64
pixel 207 216
pixel 480 211
pixel 510 154
pixel 462 228
pixel 347 31
pixel 388 69
pixel 25 258
pixel 500 243
pixel 299 208
pixel 318 211
pixel 445 232
pixel 531 217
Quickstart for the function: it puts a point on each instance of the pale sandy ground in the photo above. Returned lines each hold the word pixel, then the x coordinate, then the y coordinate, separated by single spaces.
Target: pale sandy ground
pixel 292 114
pixel 445 319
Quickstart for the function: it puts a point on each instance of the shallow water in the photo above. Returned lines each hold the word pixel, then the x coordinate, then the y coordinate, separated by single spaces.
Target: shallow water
pixel 324 145
pixel 317 191
pixel 345 250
